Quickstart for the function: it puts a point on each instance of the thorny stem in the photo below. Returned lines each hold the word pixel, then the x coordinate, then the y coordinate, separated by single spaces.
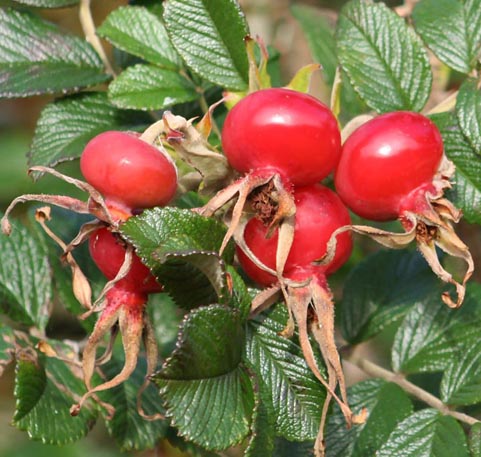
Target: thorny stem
pixel 88 27
pixel 376 371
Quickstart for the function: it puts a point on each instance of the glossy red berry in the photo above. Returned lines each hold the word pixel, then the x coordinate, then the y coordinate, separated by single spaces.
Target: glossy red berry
pixel 289 132
pixel 385 160
pixel 319 213
pixel 108 253
pixel 127 171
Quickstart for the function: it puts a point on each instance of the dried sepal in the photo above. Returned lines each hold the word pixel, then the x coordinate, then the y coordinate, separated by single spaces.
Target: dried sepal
pixel 80 284
pixel 130 319
pixel 428 230
pixel 152 357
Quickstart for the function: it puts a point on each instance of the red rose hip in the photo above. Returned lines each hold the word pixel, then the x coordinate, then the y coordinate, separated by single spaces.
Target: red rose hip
pixel 292 133
pixel 385 160
pixel 129 172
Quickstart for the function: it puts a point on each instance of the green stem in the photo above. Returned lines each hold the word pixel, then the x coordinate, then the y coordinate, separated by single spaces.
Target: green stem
pixel 376 371
pixel 88 27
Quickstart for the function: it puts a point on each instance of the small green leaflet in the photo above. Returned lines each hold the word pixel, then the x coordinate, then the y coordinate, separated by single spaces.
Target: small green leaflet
pixel 141 33
pixel 210 38
pixel 468 110
pixel 25 282
pixel 432 336
pixel 129 430
pixel 292 396
pixel 461 383
pixel 466 193
pixel 426 433
pixel 384 59
pixel 207 392
pixel 45 389
pixel 387 405
pixel 48 3
pixel 182 248
pixel 66 125
pixel 7 346
pixel 148 87
pixel 36 58
pixel 381 289
pixel 452 29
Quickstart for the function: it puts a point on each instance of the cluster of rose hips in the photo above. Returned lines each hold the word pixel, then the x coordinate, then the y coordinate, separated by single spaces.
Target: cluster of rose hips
pixel 294 232
pixel 291 231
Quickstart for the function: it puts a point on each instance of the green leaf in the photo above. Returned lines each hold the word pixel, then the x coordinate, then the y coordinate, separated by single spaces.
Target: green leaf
pixel 387 404
pixel 426 433
pixel 182 248
pixel 25 282
pixel 65 126
pixel 48 3
pixel 291 393
pixel 320 38
pixel 165 318
pixel 30 383
pixel 240 296
pixel 141 33
pixel 468 110
pixel 147 87
pixel 129 430
pixel 210 38
pixel 261 442
pixel 36 58
pixel 432 336
pixel 452 29
pixel 466 193
pixel 45 389
pixel 461 383
pixel 208 394
pixel 7 347
pixel 475 440
pixel 383 57
pixel 380 290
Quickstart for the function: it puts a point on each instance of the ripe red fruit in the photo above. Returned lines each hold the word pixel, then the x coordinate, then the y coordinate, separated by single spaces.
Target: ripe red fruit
pixel 319 213
pixel 129 172
pixel 384 161
pixel 289 132
pixel 108 253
